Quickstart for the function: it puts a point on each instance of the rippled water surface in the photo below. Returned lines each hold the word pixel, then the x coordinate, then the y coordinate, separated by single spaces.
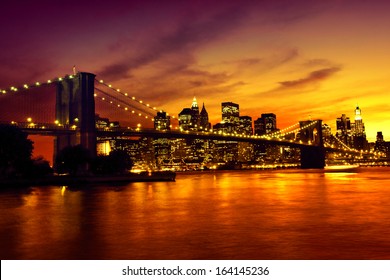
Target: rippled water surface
pixel 289 214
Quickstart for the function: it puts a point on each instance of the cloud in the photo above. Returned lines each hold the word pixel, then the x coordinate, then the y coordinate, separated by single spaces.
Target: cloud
pixel 187 37
pixel 312 78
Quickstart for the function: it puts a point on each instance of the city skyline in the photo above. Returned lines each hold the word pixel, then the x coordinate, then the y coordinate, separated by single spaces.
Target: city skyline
pixel 297 60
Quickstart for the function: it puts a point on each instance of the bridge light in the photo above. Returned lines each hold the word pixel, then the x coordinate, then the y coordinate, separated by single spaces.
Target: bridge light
pixel 49 81
pixel 118 90
pixel 76 119
pixel 126 108
pixel 133 98
pixel 29 119
pixel 140 101
pixel 94 95
pixel 25 86
pixel 139 114
pixel 70 77
pixel 110 86
pixel 126 94
pixel 133 111
pixel 60 79
pixel 101 81
pixel 103 98
pixel 56 121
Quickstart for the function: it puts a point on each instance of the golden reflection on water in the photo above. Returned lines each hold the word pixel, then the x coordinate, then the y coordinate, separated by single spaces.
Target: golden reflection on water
pixel 215 215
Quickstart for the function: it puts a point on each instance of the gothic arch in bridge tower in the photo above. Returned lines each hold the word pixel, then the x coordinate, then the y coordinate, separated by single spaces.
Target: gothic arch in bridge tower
pixel 313 155
pixel 75 107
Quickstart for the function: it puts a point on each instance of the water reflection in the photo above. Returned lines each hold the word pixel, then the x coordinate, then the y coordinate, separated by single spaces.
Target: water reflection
pixel 216 215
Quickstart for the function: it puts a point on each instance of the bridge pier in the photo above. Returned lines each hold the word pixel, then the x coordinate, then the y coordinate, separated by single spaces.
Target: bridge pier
pixel 75 107
pixel 312 156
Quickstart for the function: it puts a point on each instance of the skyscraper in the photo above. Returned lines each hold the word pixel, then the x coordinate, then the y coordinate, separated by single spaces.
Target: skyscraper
pixel 230 112
pixel 204 119
pixel 189 117
pixel 162 121
pixel 359 126
pixel 245 125
pixel 359 134
pixel 344 133
pixel 265 124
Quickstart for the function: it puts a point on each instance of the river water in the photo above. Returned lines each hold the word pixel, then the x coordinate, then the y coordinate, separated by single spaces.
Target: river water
pixel 288 214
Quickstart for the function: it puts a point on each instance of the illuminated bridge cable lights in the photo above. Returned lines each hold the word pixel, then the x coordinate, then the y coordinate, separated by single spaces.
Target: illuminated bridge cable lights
pixel 124 108
pixel 121 102
pixel 281 132
pixel 343 144
pixel 133 98
pixel 27 86
pixel 284 132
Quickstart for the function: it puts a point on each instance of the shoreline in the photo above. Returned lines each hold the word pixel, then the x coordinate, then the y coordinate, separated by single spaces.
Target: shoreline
pixel 57 180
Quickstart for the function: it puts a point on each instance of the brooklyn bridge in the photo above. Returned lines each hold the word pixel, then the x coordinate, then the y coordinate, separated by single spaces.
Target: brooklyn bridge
pixel 78 98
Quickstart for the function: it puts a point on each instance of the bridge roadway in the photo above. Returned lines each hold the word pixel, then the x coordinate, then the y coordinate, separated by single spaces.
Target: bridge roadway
pixel 52 129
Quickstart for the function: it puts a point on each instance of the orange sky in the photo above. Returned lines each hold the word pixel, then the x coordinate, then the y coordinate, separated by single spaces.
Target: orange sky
pixel 297 59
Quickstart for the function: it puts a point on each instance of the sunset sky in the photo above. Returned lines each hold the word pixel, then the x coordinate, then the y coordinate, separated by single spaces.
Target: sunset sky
pixel 297 59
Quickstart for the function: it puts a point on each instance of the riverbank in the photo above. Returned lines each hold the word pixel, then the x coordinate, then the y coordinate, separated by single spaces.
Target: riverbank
pixel 58 180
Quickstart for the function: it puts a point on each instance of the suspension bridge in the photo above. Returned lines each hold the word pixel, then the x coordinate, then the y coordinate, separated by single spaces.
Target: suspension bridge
pixel 69 115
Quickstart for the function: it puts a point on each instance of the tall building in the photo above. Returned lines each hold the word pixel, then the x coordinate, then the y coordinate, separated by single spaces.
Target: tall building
pixel 230 113
pixel 245 125
pixel 265 124
pixel 344 132
pixel 359 126
pixel 204 119
pixel 381 145
pixel 359 135
pixel 162 121
pixel 189 118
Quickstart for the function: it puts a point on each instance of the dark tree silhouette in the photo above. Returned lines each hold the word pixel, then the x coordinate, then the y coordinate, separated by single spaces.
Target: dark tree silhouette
pixel 15 151
pixel 117 162
pixel 39 168
pixel 73 159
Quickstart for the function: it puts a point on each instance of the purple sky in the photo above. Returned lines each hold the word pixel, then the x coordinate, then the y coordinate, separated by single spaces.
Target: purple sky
pixel 297 59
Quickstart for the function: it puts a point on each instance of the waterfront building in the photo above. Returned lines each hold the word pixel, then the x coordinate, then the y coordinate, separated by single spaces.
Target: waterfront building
pixel 245 126
pixel 189 118
pixel 162 121
pixel 344 131
pixel 230 113
pixel 204 119
pixel 358 131
pixel 381 145
pixel 265 124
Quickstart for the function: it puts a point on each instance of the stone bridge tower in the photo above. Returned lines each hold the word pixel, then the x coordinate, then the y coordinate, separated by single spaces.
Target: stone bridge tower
pixel 312 156
pixel 75 107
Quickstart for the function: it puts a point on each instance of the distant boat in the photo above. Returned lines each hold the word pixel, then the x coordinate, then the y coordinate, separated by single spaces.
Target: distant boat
pixel 342 168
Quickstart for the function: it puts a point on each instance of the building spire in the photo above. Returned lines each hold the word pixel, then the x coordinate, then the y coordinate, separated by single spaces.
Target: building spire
pixel 194 105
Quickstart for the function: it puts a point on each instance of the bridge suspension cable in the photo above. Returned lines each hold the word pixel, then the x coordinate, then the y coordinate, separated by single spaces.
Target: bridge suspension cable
pixel 26 86
pixel 104 97
pixel 285 131
pixel 132 98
